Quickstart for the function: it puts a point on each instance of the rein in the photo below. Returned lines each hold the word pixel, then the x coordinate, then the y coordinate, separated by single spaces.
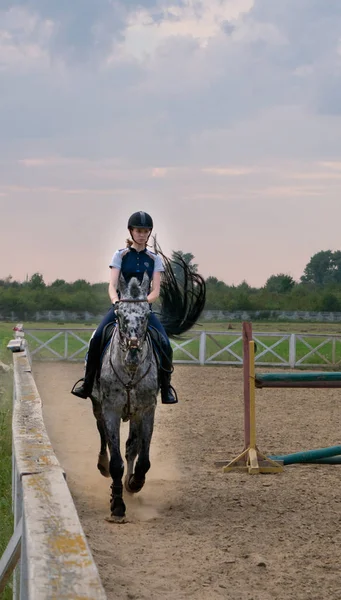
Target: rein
pixel 131 300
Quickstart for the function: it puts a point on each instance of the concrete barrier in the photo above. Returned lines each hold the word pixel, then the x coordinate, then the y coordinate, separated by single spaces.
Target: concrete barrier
pixel 48 545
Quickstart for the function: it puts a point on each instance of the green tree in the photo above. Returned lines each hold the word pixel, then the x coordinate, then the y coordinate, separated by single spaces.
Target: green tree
pixel 36 282
pixel 330 303
pixel 335 275
pixel 58 283
pixel 280 284
pixel 319 269
pixel 244 287
pixel 187 257
pixel 81 285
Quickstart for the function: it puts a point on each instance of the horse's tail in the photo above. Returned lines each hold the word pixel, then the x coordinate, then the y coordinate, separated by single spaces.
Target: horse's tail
pixel 182 295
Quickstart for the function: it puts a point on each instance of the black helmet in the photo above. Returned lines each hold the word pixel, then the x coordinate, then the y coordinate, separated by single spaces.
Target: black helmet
pixel 140 219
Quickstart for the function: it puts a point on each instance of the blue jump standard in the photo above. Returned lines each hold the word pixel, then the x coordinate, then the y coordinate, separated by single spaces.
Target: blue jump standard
pixel 321 454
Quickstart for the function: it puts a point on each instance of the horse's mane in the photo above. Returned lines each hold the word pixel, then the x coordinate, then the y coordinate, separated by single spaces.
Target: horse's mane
pixel 182 297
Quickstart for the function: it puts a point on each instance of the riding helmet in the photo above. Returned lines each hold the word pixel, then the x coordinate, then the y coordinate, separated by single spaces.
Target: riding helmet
pixel 140 219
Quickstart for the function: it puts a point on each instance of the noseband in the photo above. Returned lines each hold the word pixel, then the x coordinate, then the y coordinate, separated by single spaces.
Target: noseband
pixel 126 343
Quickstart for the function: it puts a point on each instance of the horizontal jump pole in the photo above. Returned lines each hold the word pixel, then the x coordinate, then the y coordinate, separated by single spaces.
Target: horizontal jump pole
pixel 309 455
pixel 298 380
pixel 332 460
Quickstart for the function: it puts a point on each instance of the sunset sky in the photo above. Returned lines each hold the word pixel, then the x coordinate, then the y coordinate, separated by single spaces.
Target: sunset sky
pixel 221 118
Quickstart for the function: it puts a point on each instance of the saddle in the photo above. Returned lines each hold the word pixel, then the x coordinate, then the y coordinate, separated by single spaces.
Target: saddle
pixel 106 337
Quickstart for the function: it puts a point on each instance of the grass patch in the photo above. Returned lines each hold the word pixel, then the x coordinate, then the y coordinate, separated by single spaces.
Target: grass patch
pixel 6 516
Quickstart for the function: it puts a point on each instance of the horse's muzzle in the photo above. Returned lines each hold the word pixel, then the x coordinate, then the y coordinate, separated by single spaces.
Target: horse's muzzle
pixel 134 344
pixel 132 358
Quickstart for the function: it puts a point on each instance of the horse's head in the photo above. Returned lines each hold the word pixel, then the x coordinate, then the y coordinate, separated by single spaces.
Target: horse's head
pixel 132 315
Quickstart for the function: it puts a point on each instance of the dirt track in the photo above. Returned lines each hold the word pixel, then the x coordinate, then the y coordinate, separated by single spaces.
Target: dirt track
pixel 195 532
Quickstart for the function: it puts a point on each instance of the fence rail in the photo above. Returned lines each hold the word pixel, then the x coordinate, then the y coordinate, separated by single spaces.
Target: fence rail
pixel 294 350
pixel 48 544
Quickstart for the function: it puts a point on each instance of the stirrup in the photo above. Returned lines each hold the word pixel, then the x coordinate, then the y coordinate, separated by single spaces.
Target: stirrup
pixel 81 392
pixel 174 392
pixel 79 380
pixel 170 388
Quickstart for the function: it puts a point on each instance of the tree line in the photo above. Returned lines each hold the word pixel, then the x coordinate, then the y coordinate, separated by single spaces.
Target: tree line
pixel 319 289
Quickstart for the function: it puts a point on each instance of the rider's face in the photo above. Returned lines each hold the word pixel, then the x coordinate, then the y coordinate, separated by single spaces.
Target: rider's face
pixel 140 234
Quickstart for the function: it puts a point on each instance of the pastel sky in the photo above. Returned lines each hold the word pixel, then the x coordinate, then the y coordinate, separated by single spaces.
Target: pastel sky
pixel 221 118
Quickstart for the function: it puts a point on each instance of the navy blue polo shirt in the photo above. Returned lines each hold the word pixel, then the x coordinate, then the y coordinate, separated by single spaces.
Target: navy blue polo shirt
pixel 134 264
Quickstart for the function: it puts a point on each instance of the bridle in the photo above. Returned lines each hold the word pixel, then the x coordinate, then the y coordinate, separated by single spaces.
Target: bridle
pixel 125 342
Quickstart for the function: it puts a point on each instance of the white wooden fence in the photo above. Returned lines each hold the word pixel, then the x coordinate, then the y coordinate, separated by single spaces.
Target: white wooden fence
pixel 205 347
pixel 48 544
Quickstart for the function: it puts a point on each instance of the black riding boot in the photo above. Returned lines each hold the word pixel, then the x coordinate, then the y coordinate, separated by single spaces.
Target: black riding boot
pixel 84 390
pixel 168 393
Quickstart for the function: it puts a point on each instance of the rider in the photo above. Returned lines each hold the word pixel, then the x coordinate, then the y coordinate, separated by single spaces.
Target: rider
pixel 133 261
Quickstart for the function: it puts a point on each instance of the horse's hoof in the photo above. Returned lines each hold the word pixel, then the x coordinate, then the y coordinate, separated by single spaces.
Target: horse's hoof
pixel 118 510
pixel 133 485
pixel 113 519
pixel 103 465
pixel 102 470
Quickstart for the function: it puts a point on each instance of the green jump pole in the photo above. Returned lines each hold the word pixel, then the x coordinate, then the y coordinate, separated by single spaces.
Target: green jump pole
pixel 332 460
pixel 299 380
pixel 308 455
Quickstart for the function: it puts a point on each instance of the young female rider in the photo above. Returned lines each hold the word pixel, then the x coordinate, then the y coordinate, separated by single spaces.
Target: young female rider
pixel 133 261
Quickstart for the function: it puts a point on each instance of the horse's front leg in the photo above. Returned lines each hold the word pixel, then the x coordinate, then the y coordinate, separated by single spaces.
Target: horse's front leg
pixel 137 480
pixel 116 467
pixel 132 450
pixel 103 460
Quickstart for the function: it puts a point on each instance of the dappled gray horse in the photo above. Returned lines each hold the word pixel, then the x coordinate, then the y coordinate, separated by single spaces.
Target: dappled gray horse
pixel 129 383
pixel 127 389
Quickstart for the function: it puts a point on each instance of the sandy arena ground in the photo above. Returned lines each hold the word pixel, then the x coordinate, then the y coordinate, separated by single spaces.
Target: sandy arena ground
pixel 194 532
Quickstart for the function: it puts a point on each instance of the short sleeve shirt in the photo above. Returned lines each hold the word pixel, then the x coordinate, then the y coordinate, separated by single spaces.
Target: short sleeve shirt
pixel 134 264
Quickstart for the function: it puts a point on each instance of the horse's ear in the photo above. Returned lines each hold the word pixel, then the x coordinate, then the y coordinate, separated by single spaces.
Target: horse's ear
pixel 122 285
pixel 145 284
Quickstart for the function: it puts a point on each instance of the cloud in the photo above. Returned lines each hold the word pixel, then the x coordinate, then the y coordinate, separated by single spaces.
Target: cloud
pixel 228 172
pixel 201 21
pixel 24 39
pixel 50 161
pixel 83 30
pixel 229 107
pixel 336 165
pixel 161 74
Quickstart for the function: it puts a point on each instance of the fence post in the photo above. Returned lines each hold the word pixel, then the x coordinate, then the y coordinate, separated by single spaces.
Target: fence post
pixel 202 348
pixel 292 350
pixel 66 343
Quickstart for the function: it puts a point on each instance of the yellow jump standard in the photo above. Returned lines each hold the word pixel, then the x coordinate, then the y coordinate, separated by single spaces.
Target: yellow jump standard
pixel 251 460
